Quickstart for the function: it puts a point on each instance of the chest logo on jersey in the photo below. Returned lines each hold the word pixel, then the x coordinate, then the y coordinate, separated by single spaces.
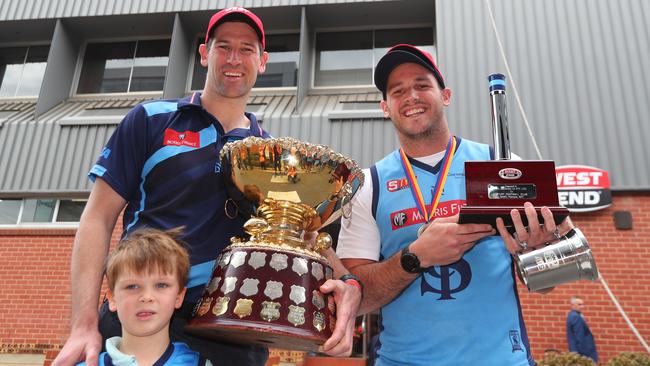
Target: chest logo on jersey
pixel 186 138
pixel 447 280
pixel 395 185
pixel 413 216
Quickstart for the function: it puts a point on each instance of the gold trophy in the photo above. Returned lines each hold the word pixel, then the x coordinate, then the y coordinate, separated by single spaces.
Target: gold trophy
pixel 265 289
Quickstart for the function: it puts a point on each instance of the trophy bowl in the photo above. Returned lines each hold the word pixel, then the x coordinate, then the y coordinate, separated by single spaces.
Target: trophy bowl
pixel 265 289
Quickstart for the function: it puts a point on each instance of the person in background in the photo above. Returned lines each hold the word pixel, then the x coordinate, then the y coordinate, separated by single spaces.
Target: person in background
pixel 578 334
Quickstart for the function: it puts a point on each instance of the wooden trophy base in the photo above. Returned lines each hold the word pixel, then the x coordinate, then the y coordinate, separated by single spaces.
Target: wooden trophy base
pixel 494 188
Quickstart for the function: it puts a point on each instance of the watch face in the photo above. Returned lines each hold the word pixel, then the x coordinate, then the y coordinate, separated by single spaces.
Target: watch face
pixel 410 262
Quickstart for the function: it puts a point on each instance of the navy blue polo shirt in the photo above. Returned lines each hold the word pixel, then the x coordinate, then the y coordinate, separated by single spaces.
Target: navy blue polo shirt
pixel 163 159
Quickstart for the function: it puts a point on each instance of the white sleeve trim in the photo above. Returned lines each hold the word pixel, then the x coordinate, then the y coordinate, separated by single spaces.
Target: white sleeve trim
pixel 359 236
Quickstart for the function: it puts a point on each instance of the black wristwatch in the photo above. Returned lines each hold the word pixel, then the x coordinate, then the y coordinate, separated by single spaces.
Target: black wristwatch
pixel 410 262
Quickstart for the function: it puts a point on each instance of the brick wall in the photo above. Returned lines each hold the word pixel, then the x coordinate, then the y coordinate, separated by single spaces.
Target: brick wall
pixel 34 287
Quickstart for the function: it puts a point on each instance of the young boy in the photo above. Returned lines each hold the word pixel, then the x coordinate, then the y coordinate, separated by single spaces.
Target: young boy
pixel 146 275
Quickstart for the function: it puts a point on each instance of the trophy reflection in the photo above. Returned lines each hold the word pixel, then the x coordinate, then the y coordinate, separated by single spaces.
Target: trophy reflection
pixel 265 289
pixel 496 187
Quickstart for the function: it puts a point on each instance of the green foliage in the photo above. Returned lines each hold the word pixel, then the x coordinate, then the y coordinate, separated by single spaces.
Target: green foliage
pixel 565 359
pixel 630 359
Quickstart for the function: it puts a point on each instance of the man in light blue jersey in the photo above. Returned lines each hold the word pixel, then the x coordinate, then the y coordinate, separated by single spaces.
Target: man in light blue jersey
pixel 446 291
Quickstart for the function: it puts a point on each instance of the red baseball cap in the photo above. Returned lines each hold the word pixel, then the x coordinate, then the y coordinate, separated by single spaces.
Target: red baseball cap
pixel 403 53
pixel 237 13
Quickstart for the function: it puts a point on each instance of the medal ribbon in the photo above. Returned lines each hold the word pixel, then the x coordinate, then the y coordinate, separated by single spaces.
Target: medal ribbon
pixel 440 182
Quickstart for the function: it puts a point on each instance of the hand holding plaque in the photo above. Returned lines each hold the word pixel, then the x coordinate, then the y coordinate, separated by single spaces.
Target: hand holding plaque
pixel 494 188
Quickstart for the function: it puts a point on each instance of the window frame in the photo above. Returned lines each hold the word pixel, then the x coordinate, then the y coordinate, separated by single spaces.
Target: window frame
pixel 41 225
pixel 359 87
pixel 80 63
pixel 22 44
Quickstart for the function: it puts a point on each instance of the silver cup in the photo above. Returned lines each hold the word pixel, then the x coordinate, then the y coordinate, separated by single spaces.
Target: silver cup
pixel 563 260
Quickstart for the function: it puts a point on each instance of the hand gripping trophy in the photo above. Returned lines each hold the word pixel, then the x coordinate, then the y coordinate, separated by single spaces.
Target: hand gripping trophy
pixel 495 187
pixel 264 289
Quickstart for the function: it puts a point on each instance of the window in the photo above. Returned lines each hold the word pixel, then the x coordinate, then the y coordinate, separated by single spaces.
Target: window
pixel 281 68
pixel 348 58
pixel 9 211
pixel 40 211
pixel 22 70
pixel 124 67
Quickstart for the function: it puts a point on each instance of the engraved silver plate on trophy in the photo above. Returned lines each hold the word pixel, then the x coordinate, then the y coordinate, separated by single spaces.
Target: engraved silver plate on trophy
pixel 273 290
pixel 299 266
pixel 278 261
pixel 249 287
pixel 257 260
pixel 317 271
pixel 228 285
pixel 213 285
pixel 237 259
pixel 297 294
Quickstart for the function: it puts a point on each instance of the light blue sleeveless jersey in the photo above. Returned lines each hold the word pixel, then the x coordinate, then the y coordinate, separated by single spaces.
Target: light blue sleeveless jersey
pixel 466 313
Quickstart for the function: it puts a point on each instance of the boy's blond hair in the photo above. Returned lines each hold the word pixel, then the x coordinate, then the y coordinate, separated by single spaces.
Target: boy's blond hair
pixel 147 250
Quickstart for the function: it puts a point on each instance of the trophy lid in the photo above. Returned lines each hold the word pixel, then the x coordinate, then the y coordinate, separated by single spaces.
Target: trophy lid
pixel 287 169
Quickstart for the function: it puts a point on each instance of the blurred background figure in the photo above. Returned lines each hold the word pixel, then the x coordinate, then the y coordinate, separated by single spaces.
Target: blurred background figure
pixel 578 333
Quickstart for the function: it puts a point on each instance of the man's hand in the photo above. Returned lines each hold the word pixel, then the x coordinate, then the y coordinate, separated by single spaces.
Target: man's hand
pixel 82 345
pixel 347 298
pixel 535 234
pixel 445 241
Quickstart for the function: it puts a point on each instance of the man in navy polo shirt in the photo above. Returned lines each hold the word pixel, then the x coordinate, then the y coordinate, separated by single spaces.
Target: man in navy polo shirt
pixel 161 167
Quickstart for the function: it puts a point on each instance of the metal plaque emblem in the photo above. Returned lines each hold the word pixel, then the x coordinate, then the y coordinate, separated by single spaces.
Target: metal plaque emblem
pixel 220 306
pixel 213 285
pixel 296 315
pixel 243 308
pixel 510 173
pixel 224 259
pixel 228 285
pixel 205 306
pixel 237 259
pixel 278 261
pixel 257 260
pixel 317 299
pixel 273 289
pixel 512 191
pixel 328 273
pixel 270 311
pixel 299 266
pixel 297 294
pixel 249 287
pixel 317 270
pixel 319 321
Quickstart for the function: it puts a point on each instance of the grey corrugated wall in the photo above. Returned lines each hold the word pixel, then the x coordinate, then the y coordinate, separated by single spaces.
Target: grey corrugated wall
pixel 48 9
pixel 579 66
pixel 45 157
